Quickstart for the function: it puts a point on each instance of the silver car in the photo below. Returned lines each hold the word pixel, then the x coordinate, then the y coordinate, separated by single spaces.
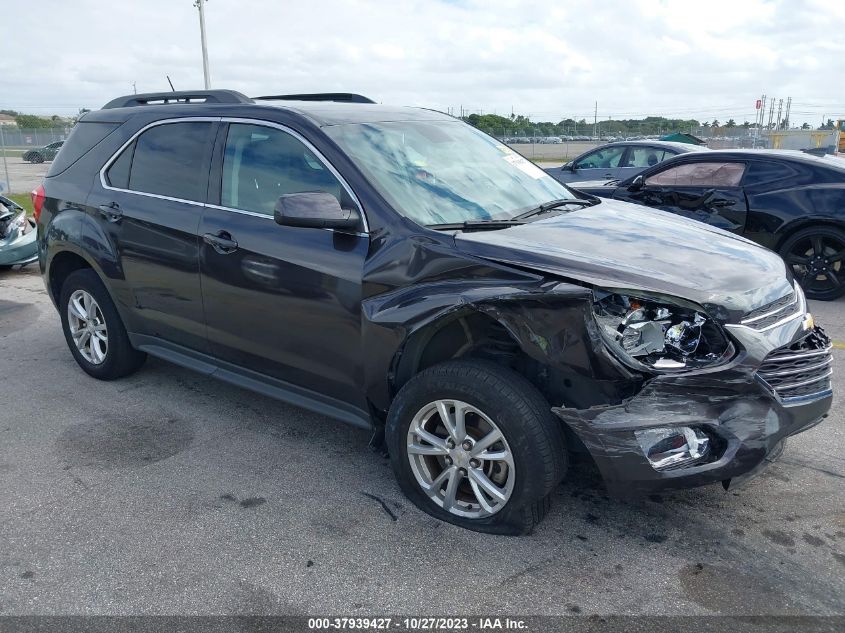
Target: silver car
pixel 619 160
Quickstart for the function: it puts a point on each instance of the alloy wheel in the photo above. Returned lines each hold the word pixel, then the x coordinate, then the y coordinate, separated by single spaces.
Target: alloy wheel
pixel 818 262
pixel 460 459
pixel 87 327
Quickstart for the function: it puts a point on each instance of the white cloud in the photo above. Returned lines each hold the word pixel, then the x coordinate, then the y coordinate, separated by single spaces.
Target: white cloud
pixel 548 59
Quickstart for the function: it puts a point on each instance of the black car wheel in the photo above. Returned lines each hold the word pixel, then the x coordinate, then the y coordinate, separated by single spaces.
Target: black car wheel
pixel 476 444
pixel 37 158
pixel 93 329
pixel 816 256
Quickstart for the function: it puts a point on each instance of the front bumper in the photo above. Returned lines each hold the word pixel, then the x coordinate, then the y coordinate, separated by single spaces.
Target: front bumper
pixel 746 419
pixel 19 249
pixel 748 426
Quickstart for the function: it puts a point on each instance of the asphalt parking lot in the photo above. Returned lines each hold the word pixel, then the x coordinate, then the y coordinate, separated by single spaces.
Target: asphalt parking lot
pixel 23 176
pixel 172 493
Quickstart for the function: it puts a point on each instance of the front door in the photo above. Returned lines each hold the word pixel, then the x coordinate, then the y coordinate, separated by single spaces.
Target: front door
pixel 707 191
pixel 149 208
pixel 281 301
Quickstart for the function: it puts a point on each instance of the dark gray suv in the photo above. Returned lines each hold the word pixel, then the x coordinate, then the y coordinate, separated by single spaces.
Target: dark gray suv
pixel 399 270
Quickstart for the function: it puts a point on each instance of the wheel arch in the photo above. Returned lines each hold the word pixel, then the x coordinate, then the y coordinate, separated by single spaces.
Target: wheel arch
pixel 466 332
pixel 805 223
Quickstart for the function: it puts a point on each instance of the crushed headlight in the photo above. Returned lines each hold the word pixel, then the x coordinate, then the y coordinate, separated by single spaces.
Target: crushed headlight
pixel 667 448
pixel 657 335
pixel 17 223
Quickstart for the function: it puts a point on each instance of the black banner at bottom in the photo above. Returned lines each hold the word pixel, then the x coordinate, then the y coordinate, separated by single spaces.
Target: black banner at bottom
pixel 434 624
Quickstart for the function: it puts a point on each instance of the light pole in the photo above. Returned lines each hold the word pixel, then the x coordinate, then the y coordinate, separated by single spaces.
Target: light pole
pixel 199 5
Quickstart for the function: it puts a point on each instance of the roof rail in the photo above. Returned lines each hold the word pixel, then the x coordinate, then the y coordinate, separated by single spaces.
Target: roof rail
pixel 180 96
pixel 345 97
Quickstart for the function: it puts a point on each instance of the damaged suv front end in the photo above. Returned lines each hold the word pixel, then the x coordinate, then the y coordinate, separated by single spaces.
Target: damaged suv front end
pixel 702 356
pixel 719 400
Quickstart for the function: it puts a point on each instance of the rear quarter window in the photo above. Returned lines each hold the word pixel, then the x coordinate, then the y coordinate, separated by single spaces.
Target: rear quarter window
pixel 83 138
pixel 766 173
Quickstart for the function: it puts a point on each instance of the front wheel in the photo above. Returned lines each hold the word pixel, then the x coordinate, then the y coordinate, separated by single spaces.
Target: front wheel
pixel 476 444
pixel 37 158
pixel 816 256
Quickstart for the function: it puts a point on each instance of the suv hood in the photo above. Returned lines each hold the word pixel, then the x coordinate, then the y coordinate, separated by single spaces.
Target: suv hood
pixel 620 245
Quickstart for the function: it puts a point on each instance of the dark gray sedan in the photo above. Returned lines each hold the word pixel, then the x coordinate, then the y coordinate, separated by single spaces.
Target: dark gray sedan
pixel 620 160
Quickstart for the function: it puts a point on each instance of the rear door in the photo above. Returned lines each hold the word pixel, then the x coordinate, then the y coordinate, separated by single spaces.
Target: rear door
pixel 281 301
pixel 148 202
pixel 708 191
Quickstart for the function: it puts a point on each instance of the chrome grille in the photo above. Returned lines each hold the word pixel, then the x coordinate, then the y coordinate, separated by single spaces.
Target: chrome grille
pixel 771 313
pixel 800 372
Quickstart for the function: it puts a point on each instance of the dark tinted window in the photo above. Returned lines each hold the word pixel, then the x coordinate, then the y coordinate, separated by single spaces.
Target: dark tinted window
pixel 83 137
pixel 766 172
pixel 118 174
pixel 169 159
pixel 262 163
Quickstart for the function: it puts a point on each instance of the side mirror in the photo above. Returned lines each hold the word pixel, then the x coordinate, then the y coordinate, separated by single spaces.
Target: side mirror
pixel 569 167
pixel 315 210
pixel 636 184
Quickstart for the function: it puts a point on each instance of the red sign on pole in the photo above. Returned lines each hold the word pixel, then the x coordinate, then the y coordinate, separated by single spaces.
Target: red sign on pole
pixel 759 103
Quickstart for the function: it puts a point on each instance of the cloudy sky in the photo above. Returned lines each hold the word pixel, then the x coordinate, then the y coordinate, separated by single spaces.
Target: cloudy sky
pixel 547 59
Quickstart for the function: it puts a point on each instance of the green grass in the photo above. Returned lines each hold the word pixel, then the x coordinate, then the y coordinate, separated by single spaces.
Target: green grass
pixel 22 199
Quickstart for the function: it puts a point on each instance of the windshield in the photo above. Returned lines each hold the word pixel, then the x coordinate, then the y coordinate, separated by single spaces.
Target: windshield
pixel 446 171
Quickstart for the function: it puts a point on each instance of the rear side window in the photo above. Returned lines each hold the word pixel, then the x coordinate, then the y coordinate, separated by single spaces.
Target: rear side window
pixel 699 175
pixel 83 138
pixel 166 160
pixel 760 173
pixel 646 156
pixel 118 173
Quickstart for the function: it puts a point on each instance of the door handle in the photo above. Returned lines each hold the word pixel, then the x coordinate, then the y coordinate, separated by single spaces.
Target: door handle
pixel 722 202
pixel 221 242
pixel 111 211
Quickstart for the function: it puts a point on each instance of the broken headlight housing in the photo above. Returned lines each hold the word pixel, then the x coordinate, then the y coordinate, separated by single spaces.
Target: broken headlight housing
pixel 656 334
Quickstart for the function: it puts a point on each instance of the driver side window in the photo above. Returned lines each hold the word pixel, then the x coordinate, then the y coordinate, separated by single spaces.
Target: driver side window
pixel 261 163
pixel 601 159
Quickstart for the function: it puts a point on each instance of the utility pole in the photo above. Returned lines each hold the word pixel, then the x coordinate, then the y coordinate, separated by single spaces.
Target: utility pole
pixel 780 109
pixel 786 116
pixel 199 5
pixel 596 120
pixel 5 165
pixel 134 88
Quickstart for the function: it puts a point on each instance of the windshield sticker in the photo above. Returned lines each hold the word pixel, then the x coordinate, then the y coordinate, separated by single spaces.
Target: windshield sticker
pixel 525 165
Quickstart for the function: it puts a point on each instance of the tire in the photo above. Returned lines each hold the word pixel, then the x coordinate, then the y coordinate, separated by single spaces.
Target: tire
pixel 816 256
pixel 532 437
pixel 37 158
pixel 116 357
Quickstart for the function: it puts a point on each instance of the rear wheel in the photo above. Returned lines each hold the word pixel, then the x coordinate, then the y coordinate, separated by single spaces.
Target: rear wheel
pixel 93 329
pixel 816 256
pixel 475 444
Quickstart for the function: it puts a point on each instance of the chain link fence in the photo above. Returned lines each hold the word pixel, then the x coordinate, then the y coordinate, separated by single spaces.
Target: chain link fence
pixel 28 138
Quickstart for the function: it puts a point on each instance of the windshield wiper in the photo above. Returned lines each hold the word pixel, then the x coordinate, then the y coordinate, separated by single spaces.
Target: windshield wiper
pixel 476 225
pixel 554 204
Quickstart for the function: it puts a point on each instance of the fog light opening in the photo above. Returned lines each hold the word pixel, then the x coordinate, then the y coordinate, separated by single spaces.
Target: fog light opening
pixel 667 448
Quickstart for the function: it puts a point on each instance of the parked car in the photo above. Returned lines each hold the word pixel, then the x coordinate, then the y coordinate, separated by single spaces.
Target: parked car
pixel 619 160
pixel 401 271
pixel 788 201
pixel 43 154
pixel 17 235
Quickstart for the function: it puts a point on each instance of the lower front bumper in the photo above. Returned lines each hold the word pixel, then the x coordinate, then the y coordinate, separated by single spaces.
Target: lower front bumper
pixel 22 249
pixel 748 425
